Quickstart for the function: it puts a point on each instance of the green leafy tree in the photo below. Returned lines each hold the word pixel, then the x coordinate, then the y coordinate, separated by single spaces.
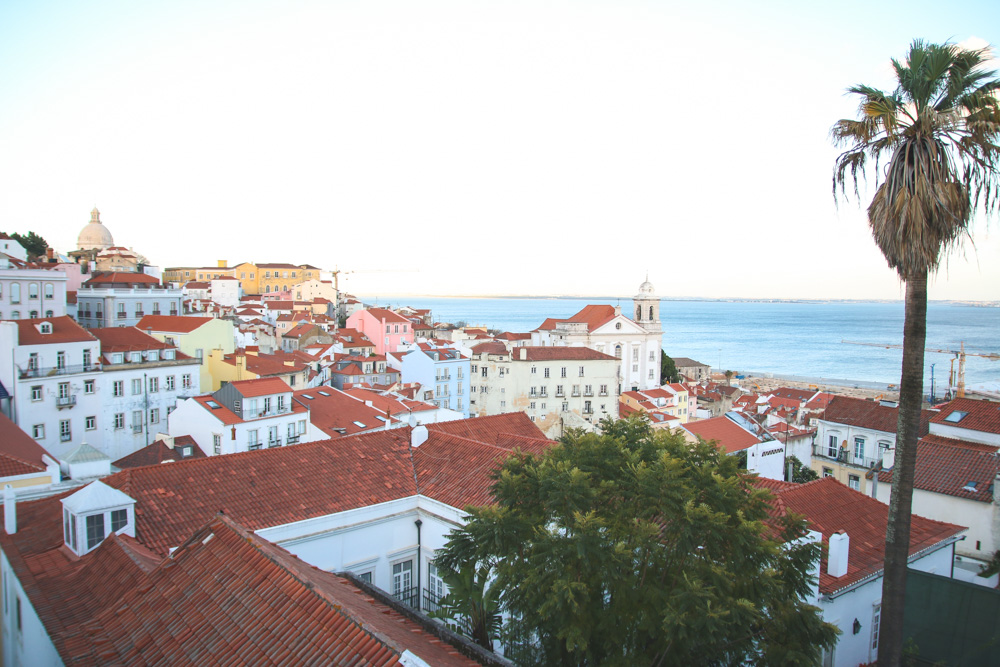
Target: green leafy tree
pixel 932 144
pixel 34 244
pixel 471 605
pixel 800 472
pixel 668 369
pixel 635 547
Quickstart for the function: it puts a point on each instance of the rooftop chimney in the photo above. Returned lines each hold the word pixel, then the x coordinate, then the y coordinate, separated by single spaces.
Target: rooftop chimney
pixel 9 509
pixel 836 560
pixel 418 436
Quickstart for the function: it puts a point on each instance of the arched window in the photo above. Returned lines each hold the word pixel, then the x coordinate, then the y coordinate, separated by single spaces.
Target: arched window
pixel 267 289
pixel 618 351
pixel 15 292
pixel 32 290
pixel 651 313
pixel 50 291
pixel 638 313
pixel 33 315
pixel 48 313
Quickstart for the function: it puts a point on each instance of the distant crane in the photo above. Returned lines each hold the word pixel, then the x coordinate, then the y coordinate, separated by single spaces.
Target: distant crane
pixel 959 355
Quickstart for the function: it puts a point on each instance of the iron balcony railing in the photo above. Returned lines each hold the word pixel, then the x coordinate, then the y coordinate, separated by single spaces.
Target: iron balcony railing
pixel 409 596
pixel 274 442
pixel 253 445
pixel 845 456
pixel 65 402
pixel 49 371
pixel 291 440
pixel 432 601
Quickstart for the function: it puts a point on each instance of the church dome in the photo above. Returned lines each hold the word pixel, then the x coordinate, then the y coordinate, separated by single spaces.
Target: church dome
pixel 647 288
pixel 95 236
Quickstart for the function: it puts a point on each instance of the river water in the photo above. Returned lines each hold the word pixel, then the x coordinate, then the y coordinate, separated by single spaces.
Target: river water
pixel 783 338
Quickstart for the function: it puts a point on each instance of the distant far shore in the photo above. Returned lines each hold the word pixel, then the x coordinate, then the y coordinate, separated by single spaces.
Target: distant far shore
pixel 974 304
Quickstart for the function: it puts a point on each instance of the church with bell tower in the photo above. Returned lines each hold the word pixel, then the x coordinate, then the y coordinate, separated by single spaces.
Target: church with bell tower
pixel 635 342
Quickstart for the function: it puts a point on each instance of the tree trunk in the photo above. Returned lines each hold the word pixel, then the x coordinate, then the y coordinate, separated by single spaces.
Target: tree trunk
pixel 897 531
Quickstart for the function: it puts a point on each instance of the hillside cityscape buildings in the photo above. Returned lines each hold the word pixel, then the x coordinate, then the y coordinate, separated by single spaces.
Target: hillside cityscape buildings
pixel 158 424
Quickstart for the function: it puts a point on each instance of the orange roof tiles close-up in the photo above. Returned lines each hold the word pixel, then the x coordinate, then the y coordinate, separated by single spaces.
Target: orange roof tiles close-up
pixel 953 467
pixel 979 415
pixel 64 330
pixel 727 433
pixel 172 323
pixel 868 414
pixel 20 454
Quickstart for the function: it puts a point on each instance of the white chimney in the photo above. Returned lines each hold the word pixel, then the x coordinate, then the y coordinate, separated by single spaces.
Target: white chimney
pixel 418 436
pixel 523 353
pixel 9 509
pixel 836 560
pixel 888 458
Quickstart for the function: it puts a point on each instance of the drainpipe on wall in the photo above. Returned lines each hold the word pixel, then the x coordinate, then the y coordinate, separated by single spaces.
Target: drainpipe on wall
pixel 418 523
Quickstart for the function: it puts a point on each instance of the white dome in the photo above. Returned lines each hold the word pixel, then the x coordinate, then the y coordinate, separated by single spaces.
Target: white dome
pixel 95 236
pixel 647 288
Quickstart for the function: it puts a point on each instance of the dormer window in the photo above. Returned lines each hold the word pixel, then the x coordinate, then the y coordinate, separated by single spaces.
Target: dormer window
pixel 93 513
pixel 135 357
pixel 117 357
pixel 154 355
pixel 45 328
pixel 168 354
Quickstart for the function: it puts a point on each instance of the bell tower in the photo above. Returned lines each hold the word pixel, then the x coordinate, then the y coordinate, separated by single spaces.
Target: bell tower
pixel 647 307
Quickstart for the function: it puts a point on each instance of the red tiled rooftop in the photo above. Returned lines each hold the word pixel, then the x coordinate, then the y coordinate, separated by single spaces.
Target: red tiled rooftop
pixel 559 353
pixel 159 452
pixel 729 435
pixel 868 414
pixel 490 348
pixel 981 415
pixel 260 387
pixel 19 453
pixel 125 339
pixel 172 323
pixel 829 506
pixel 953 467
pixel 64 330
pixel 99 278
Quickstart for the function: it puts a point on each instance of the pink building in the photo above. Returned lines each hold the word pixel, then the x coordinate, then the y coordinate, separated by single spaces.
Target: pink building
pixel 388 330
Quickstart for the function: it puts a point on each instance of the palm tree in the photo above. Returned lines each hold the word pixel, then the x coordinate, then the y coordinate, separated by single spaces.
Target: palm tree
pixel 938 136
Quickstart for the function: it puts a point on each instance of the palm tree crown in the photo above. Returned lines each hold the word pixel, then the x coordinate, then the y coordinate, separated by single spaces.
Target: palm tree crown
pixel 939 131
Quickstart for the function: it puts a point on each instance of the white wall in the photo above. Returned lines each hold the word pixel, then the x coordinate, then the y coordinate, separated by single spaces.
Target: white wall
pixel 32 645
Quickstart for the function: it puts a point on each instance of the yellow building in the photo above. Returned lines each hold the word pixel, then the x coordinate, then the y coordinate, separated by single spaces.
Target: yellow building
pixel 251 365
pixel 254 278
pixel 194 336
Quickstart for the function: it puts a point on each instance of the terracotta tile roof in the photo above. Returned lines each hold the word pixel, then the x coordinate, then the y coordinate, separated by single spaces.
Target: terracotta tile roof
pixel 867 414
pixel 336 412
pixel 194 284
pixel 99 278
pixel 685 362
pixel 729 435
pixel 488 429
pixel 19 453
pixel 594 316
pixel 243 600
pixel 800 395
pixel 560 353
pixel 278 265
pixel 266 364
pixel 172 323
pixel 227 416
pixel 127 339
pixel 260 387
pixel 490 348
pixel 513 336
pixel 396 407
pixel 830 506
pixel 981 415
pixel 456 470
pixel 64 330
pixel 387 315
pixel 953 467
pixel 159 452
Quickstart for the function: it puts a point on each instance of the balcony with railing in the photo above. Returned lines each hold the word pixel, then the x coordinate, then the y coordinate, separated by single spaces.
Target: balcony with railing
pixel 292 439
pixel 65 437
pixel 544 392
pixel 63 402
pixel 409 596
pixel 576 392
pixel 122 316
pixel 274 442
pixel 253 445
pixel 842 455
pixel 588 392
pixel 49 371
pixel 432 601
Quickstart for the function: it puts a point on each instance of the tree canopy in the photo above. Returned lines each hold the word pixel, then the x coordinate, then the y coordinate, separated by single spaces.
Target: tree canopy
pixel 34 244
pixel 668 369
pixel 635 547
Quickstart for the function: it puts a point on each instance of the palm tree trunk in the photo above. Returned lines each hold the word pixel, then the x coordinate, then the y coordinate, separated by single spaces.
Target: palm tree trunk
pixel 897 531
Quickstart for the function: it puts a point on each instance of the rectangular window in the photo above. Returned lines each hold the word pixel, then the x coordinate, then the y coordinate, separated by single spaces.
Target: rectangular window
pixel 546 372
pixel 119 420
pixel 562 372
pixel 154 416
pixel 854 482
pixel 36 393
pixel 38 431
pixel 86 357
pixel 827 472
pixel 216 444
pixel 91 423
pixel 137 421
pixel 119 519
pixel 876 621
pixel 831 446
pixel 859 449
pixel 581 371
pixel 95 530
pixel 136 386
pixel 186 381
pixel 88 386
pixel 60 360
pixel 484 371
pixel 402 577
pixel 170 383
pixel 65 434
pixel 154 385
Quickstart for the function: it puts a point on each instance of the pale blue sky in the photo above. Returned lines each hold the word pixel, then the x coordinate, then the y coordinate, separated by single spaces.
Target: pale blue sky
pixel 499 147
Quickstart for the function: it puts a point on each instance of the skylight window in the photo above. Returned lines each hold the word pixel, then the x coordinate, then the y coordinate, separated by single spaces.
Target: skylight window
pixel 970 486
pixel 323 393
pixel 307 396
pixel 956 416
pixel 213 405
pixel 359 424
